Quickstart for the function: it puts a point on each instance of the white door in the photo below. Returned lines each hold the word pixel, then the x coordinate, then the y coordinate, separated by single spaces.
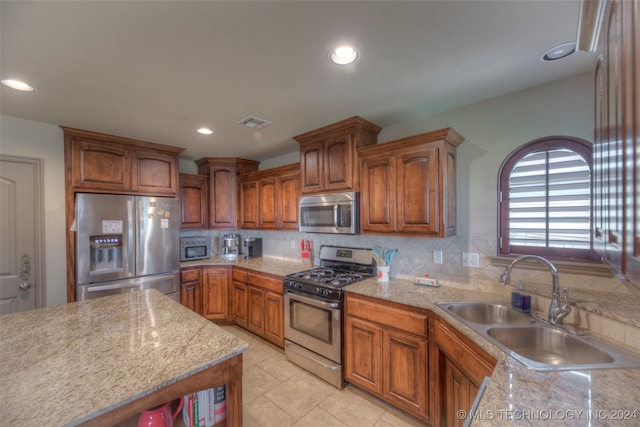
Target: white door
pixel 18 234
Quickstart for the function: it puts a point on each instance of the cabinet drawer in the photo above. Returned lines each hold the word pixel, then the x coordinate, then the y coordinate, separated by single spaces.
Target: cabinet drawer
pixel 385 314
pixel 239 275
pixel 267 282
pixel 476 363
pixel 190 275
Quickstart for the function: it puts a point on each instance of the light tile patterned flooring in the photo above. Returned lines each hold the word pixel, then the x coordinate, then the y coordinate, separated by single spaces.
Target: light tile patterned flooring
pixel 277 393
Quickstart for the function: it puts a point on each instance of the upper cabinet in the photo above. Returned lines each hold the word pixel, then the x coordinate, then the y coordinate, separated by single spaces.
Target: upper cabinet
pixel 616 182
pixel 269 198
pixel 408 186
pixel 223 188
pixel 104 163
pixel 193 200
pixel 328 157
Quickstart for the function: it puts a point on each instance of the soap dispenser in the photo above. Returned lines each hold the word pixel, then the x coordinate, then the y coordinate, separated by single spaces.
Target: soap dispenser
pixel 521 299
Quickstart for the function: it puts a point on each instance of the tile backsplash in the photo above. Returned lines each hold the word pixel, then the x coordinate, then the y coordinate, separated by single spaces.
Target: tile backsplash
pixel 603 305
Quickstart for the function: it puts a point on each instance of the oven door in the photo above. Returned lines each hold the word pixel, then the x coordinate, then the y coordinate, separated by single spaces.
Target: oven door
pixel 314 323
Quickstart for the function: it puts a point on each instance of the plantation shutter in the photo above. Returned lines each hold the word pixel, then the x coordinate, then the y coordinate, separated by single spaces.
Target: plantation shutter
pixel 549 201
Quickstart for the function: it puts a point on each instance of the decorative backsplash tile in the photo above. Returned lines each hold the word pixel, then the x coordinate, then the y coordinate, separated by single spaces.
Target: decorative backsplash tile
pixel 616 318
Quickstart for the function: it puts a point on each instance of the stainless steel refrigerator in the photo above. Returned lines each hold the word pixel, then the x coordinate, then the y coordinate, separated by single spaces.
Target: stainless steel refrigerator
pixel 125 243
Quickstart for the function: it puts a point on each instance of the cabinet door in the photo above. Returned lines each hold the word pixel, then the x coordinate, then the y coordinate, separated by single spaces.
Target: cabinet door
pixel 222 197
pixel 249 205
pixel 274 318
pixel 239 303
pixel 288 194
pixel 256 310
pixel 311 166
pixel 338 162
pixel 193 201
pixel 405 372
pixel 215 293
pixel 377 194
pixel 98 166
pixel 154 173
pixel 363 354
pixel 458 394
pixel 267 203
pixel 417 191
pixel 191 290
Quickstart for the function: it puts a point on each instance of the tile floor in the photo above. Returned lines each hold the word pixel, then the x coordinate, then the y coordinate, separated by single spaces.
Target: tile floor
pixel 275 392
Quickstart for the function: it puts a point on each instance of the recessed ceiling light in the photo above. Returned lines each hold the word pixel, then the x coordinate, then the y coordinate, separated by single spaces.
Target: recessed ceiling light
pixel 205 131
pixel 558 52
pixel 17 85
pixel 343 55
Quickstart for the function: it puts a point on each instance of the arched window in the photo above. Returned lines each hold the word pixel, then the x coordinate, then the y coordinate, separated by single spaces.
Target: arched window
pixel 544 199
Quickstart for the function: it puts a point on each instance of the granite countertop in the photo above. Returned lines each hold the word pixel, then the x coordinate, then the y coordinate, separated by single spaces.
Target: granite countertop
pixel 516 394
pixel 74 362
pixel 270 265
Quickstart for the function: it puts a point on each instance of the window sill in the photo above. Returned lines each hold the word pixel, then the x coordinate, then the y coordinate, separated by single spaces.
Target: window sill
pixel 590 269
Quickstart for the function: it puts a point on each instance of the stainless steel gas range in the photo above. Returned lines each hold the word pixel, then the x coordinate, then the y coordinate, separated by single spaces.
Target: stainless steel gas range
pixel 313 316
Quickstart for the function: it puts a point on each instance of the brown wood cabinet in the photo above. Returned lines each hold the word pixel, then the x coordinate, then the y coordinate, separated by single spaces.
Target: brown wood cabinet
pixel 616 182
pixel 215 293
pixel 328 156
pixel 258 304
pixel 105 163
pixel 269 198
pixel 223 188
pixel 193 200
pixel 191 289
pixel 408 186
pixel 460 368
pixel 386 352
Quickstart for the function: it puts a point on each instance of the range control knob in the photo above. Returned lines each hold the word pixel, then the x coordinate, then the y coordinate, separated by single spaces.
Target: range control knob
pixel 323 292
pixel 294 285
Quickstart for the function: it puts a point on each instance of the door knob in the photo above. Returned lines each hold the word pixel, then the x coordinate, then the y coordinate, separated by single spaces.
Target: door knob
pixel 25 285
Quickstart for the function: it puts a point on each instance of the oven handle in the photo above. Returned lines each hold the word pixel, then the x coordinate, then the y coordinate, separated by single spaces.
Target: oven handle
pixel 310 301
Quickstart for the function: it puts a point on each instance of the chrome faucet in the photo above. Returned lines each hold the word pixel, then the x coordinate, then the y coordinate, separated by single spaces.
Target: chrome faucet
pixel 557 311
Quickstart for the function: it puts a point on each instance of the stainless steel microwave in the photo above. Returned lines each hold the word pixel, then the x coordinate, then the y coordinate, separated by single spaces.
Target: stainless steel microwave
pixel 335 213
pixel 194 248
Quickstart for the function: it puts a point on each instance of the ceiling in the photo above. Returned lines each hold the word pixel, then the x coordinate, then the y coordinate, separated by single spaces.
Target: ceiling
pixel 158 70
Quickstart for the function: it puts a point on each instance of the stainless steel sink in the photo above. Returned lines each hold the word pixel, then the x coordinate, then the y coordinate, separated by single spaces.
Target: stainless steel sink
pixel 549 346
pixel 486 313
pixel 536 343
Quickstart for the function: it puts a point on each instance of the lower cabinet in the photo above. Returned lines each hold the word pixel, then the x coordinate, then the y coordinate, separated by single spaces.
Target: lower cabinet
pixel 386 352
pixel 258 304
pixel 215 293
pixel 190 289
pixel 246 298
pixel 460 368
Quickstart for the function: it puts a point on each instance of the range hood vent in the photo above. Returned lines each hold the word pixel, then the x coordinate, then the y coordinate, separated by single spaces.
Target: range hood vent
pixel 254 123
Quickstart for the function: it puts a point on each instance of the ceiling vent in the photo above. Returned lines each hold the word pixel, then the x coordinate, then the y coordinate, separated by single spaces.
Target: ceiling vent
pixel 254 123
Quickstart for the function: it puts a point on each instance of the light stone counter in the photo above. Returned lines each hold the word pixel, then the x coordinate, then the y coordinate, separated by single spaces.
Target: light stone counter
pixel 269 265
pixel 69 364
pixel 517 395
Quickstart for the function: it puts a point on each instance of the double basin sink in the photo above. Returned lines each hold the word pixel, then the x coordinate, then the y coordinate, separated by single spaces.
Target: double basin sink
pixel 537 344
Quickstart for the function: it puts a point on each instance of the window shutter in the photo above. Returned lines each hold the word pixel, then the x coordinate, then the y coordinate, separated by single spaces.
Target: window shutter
pixel 549 201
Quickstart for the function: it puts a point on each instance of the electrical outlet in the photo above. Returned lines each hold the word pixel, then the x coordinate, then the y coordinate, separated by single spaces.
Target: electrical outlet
pixel 437 257
pixel 293 244
pixel 471 260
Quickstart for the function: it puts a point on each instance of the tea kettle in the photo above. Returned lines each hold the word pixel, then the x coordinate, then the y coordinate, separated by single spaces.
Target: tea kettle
pixel 160 416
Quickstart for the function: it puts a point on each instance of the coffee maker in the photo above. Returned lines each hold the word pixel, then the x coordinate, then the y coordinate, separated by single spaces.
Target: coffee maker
pixel 252 247
pixel 229 246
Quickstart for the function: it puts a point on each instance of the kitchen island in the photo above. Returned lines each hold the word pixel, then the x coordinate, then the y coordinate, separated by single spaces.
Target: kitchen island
pixel 102 361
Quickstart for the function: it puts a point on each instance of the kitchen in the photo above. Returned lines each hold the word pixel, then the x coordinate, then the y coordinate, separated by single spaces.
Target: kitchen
pixel 564 107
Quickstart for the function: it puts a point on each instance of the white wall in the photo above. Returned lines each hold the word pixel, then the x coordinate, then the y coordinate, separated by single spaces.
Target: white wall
pixel 492 130
pixel 26 138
